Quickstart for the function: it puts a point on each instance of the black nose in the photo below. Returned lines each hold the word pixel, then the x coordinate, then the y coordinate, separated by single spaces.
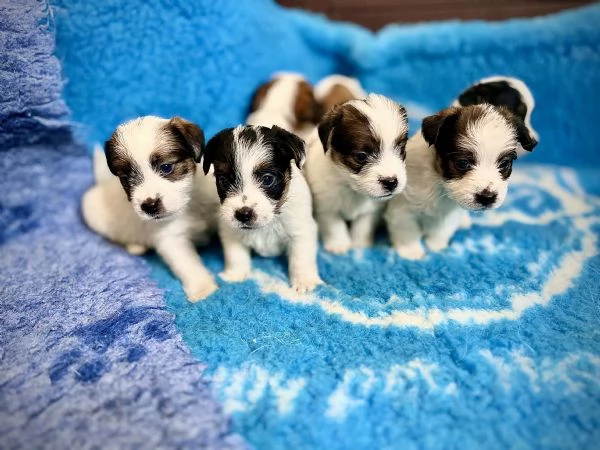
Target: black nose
pixel 486 197
pixel 151 206
pixel 245 214
pixel 389 184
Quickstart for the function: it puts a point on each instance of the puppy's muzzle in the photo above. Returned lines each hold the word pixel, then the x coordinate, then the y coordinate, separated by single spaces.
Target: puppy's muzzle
pixel 486 198
pixel 152 206
pixel 245 215
pixel 389 183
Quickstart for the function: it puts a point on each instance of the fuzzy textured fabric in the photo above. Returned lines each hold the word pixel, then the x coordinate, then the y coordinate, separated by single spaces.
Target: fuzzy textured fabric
pixel 31 107
pixel 493 342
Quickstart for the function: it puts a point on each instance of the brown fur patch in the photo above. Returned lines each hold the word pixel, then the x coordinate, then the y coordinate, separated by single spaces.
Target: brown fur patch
pixel 260 95
pixel 306 108
pixel 336 96
pixel 172 151
pixel 345 131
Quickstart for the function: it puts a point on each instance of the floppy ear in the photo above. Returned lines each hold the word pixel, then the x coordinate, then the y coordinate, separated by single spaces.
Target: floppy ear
pixel 109 151
pixel 432 125
pixel 527 141
pixel 190 135
pixel 306 108
pixel 213 147
pixel 325 127
pixel 290 144
pixel 259 95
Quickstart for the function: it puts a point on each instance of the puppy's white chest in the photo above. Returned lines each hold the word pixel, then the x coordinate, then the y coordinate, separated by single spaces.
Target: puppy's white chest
pixel 268 241
pixel 351 204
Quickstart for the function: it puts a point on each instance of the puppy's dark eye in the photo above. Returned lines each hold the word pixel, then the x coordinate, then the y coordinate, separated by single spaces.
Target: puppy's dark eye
pixel 463 164
pixel 267 180
pixel 504 164
pixel 222 182
pixel 166 169
pixel 360 157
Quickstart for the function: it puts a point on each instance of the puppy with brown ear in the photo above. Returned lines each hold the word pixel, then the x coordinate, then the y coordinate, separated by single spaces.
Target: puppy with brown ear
pixel 354 165
pixel 265 201
pixel 461 159
pixel 287 101
pixel 336 89
pixel 155 197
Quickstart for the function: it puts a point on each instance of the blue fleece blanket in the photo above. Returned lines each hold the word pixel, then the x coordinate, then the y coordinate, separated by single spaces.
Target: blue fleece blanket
pixel 493 342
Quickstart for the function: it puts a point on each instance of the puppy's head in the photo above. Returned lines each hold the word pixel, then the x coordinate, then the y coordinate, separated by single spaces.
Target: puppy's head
pixel 367 141
pixel 155 159
pixel 475 147
pixel 509 92
pixel 253 171
pixel 289 97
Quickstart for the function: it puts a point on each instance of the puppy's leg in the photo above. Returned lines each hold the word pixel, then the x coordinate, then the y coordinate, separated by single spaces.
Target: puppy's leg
pixel 181 256
pixel 440 230
pixel 238 263
pixel 362 230
pixel 334 233
pixel 405 232
pixel 302 260
pixel 136 249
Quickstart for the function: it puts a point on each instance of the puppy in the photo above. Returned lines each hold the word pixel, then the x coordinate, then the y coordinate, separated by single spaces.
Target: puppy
pixel 287 101
pixel 462 158
pixel 337 89
pixel 265 201
pixel 155 197
pixel 509 92
pixel 354 165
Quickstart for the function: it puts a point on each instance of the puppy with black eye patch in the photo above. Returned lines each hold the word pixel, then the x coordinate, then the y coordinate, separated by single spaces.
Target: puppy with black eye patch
pixel 355 164
pixel 149 194
pixel 265 201
pixel 509 92
pixel 461 159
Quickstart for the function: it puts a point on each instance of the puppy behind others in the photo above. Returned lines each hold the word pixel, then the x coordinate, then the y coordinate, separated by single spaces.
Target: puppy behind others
pixel 355 164
pixel 509 92
pixel 461 159
pixel 265 201
pixel 287 101
pixel 154 196
pixel 337 89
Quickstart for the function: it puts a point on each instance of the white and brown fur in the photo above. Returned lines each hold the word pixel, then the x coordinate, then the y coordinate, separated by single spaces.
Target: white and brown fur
pixel 337 89
pixel 265 201
pixel 155 198
pixel 461 159
pixel 354 165
pixel 288 101
pixel 510 92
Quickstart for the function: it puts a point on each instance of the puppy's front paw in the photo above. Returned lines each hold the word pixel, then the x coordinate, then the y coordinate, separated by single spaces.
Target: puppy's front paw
pixel 200 289
pixel 234 275
pixel 338 246
pixel 136 249
pixel 412 252
pixel 305 284
pixel 437 244
pixel 363 242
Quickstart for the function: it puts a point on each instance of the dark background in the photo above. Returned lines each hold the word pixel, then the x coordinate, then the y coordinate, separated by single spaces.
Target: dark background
pixel 376 13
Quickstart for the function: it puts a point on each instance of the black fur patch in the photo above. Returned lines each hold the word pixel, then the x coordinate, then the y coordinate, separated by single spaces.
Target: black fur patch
pixel 220 152
pixel 122 165
pixel 497 93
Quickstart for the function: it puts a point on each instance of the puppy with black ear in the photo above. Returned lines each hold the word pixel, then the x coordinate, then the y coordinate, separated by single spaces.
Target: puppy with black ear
pixel 288 101
pixel 265 201
pixel 461 159
pixel 354 165
pixel 154 196
pixel 509 92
